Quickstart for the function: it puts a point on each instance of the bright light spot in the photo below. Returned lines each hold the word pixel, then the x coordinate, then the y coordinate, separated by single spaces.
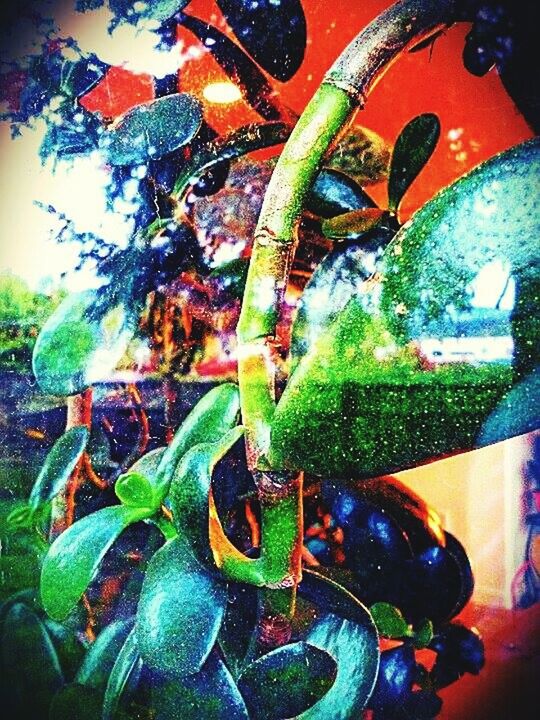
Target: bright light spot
pixel 222 93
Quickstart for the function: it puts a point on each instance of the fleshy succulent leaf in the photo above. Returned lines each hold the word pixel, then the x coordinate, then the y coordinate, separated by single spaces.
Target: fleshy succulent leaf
pixel 125 670
pixel 58 466
pixel 389 620
pixel 180 611
pixel 412 150
pixel 74 557
pixel 287 681
pixel 152 129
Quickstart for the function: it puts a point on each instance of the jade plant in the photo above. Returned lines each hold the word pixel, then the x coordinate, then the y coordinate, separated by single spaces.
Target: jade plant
pixel 266 555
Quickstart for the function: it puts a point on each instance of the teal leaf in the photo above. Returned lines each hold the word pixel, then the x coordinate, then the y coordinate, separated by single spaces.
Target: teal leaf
pixel 101 657
pixel 68 647
pixel 334 193
pixel 190 488
pixel 241 141
pixel 152 129
pixel 427 357
pixel 238 626
pixel 82 341
pixel 210 693
pixel 285 682
pixel 58 466
pixel 389 620
pixel 74 557
pixel 273 33
pixel 412 150
pixel 124 673
pixel 180 611
pixel 31 672
pixel 213 416
pixel 330 596
pixel 355 648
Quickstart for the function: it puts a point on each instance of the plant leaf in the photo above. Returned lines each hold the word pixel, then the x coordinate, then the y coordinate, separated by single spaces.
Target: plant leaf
pixel 152 129
pixel 75 555
pixel 58 466
pixel 361 154
pixel 273 33
pixel 325 593
pixel 389 620
pixel 355 648
pixel 334 193
pixel 68 646
pixel 238 625
pixel 180 611
pixel 127 667
pixel 214 415
pixel 136 487
pixel 99 661
pixel 210 693
pixel 190 489
pixel 75 701
pixel 462 273
pixel 31 672
pixel 423 634
pixel 353 224
pixel 255 88
pixel 412 150
pixel 82 342
pixel 285 682
pixel 241 141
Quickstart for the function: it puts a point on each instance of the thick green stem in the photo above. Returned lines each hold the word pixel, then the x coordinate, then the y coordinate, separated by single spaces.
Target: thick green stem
pixel 345 87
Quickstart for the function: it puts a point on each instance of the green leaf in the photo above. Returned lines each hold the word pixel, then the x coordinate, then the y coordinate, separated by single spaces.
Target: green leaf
pixel 180 611
pixel 380 377
pixel 240 142
pixel 423 634
pixel 210 694
pixel 31 672
pixel 353 224
pixel 152 129
pixel 58 466
pixel 126 668
pixel 137 486
pixel 389 620
pixel 81 342
pixel 412 150
pixel 68 647
pixel 74 557
pixel 273 33
pixel 355 648
pixel 213 416
pixel 190 489
pixel 287 681
pixel 101 657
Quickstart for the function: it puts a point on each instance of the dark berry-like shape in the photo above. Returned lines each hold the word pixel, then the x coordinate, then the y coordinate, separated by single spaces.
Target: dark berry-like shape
pixel 395 679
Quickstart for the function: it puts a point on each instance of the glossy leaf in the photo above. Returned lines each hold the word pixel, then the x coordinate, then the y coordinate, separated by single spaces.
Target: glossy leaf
pixel 412 150
pixel 334 193
pixel 352 225
pixel 238 625
pixel 423 633
pixel 74 557
pixel 389 620
pixel 355 648
pixel 136 486
pixel 244 140
pixel 58 466
pixel 190 489
pixel 399 376
pixel 210 693
pixel 361 154
pixel 285 682
pixel 101 657
pixel 82 342
pixel 126 668
pixel 274 34
pixel 180 611
pixel 31 672
pixel 214 415
pixel 255 88
pixel 330 596
pixel 152 129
